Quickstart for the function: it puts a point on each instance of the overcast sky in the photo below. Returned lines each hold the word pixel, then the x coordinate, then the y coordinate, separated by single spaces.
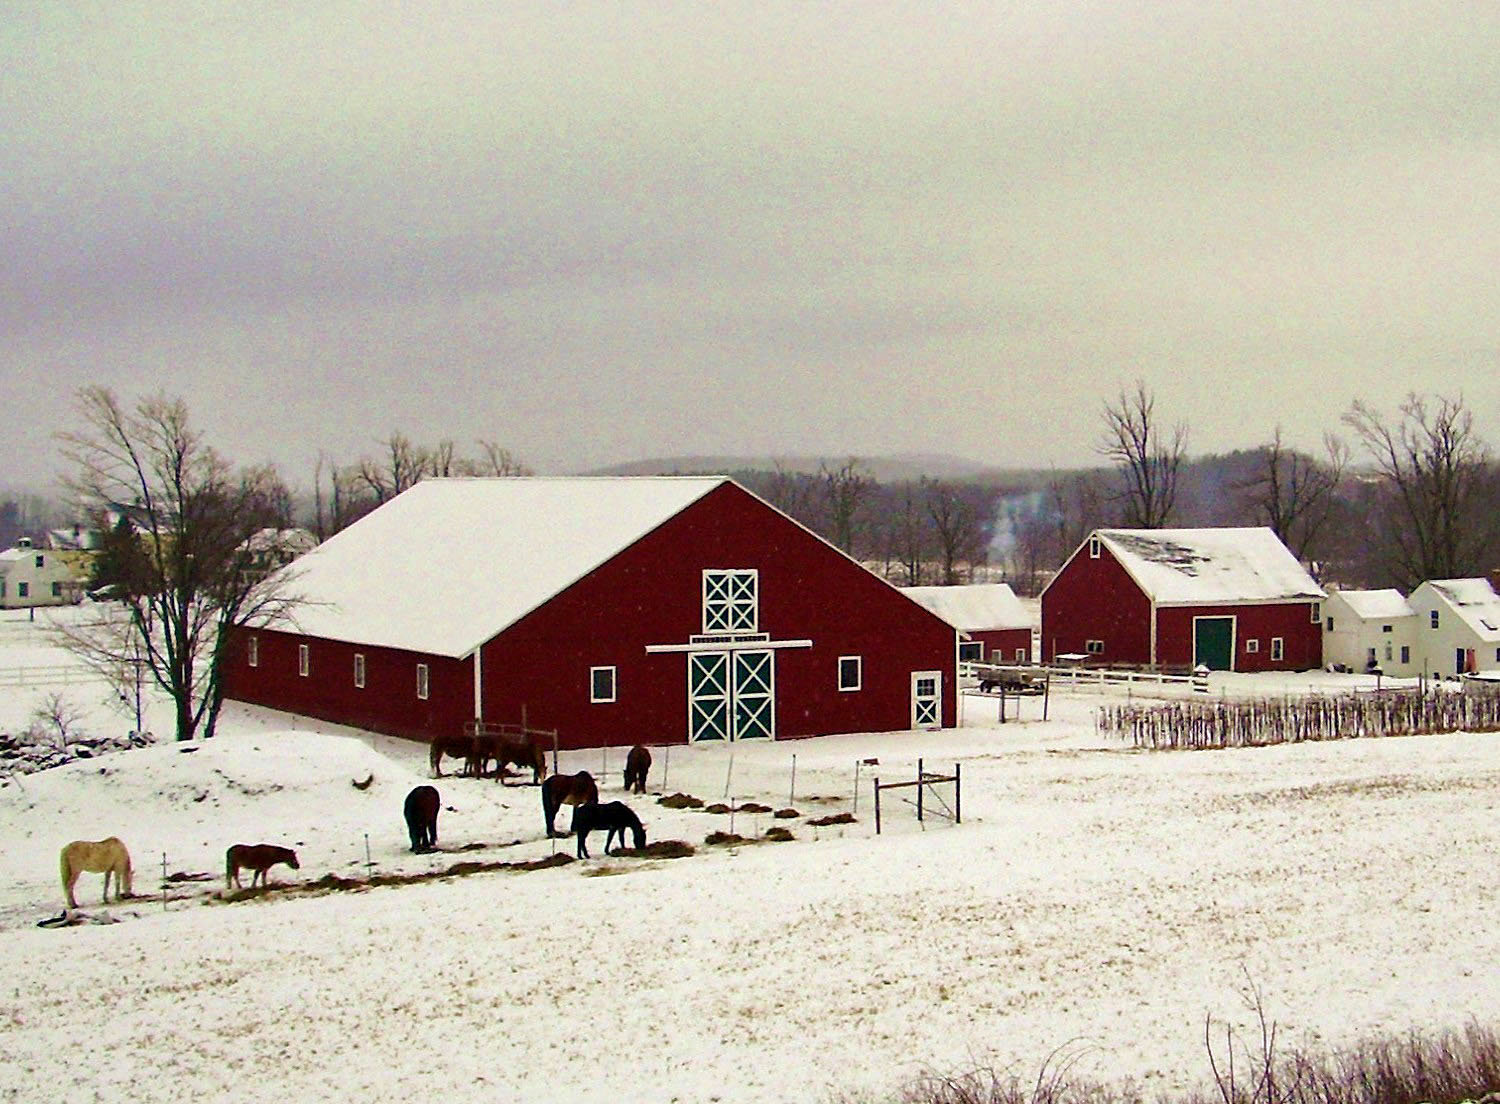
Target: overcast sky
pixel 601 232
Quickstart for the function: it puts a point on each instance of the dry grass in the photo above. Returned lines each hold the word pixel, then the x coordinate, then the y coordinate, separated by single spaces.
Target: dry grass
pixel 833 818
pixel 778 835
pixel 786 814
pixel 661 849
pixel 723 839
pixel 680 801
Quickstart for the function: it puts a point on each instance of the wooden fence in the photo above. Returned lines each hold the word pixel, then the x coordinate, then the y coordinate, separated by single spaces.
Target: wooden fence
pixel 1254 723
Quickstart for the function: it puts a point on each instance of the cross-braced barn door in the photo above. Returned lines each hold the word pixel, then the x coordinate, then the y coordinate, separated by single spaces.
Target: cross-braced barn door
pixel 731 695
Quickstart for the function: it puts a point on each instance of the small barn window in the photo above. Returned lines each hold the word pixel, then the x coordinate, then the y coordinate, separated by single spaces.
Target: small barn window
pixel 601 684
pixel 1020 655
pixel 731 601
pixel 253 651
pixel 304 660
pixel 1317 612
pixel 1434 619
pixel 1276 649
pixel 851 672
pixel 971 651
pixel 359 671
pixel 1094 548
pixel 422 686
pixel 1252 645
pixel 1095 647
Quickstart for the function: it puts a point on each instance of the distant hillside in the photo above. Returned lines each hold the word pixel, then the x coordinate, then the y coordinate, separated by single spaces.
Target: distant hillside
pixel 885 469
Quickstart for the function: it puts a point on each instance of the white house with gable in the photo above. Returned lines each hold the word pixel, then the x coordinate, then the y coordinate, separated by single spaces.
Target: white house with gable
pixel 1366 629
pixel 1458 626
pixel 31 576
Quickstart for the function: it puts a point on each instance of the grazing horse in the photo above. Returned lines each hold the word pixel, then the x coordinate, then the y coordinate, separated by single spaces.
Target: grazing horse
pixel 421 818
pixel 456 747
pixel 637 766
pixel 521 752
pixel 567 789
pixel 614 816
pixel 257 858
pixel 106 856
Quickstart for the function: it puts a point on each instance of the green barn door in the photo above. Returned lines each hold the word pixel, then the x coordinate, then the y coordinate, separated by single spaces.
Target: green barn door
pixel 1213 643
pixel 731 696
pixel 708 696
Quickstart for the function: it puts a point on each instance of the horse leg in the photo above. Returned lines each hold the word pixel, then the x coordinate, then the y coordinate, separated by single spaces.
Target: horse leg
pixel 108 870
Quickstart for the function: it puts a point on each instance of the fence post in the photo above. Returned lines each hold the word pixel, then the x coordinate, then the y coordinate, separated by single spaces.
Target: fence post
pixel 877 804
pixel 792 797
pixel 958 795
pixel 920 787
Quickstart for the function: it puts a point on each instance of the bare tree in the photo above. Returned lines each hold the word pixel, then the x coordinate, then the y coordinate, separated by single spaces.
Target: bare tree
pixel 401 467
pixel 845 490
pixel 907 535
pixel 1147 458
pixel 1439 487
pixel 497 461
pixel 194 518
pixel 962 523
pixel 1294 493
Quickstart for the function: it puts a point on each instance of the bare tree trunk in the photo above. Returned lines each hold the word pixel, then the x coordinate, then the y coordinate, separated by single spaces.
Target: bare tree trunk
pixel 1147 460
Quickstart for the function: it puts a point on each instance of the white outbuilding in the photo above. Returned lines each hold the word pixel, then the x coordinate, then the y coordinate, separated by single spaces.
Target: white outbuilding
pixel 31 576
pixel 1458 626
pixel 1368 629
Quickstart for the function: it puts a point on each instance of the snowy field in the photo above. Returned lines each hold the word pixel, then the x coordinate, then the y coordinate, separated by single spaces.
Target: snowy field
pixel 1094 899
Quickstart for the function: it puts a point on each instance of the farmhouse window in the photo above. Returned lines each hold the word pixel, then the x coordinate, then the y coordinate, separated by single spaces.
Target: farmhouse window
pixel 23 590
pixel 1389 651
pixel 1252 645
pixel 57 590
pixel 254 651
pixel 1093 548
pixel 1385 628
pixel 971 651
pixel 41 560
pixel 1317 612
pixel 1095 647
pixel 422 681
pixel 1276 649
pixel 1406 653
pixel 304 660
pixel 731 601
pixel 1434 619
pixel 601 684
pixel 851 672
pixel 359 671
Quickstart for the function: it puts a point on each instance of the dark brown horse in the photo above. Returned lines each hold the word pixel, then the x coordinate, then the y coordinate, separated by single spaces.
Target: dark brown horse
pixel 455 747
pixel 520 751
pixel 567 789
pixel 257 858
pixel 615 816
pixel 637 766
pixel 421 811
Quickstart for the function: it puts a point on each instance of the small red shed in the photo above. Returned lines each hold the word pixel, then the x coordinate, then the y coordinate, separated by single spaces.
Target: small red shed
pixel 995 625
pixel 1229 598
pixel 613 610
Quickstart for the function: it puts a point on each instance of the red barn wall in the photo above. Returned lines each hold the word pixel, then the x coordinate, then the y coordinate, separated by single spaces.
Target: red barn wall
pixel 1006 641
pixel 1302 637
pixel 388 702
pixel 651 593
pixel 1096 599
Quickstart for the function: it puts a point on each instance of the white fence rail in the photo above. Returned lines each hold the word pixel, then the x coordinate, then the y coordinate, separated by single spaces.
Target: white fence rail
pixel 1035 675
pixel 60 674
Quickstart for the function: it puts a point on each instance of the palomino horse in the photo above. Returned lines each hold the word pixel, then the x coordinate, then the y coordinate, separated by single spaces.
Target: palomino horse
pixel 567 789
pixel 421 818
pixel 615 816
pixel 106 856
pixel 637 766
pixel 257 858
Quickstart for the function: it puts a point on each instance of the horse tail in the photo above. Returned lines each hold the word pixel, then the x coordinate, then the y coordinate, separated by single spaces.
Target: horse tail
pixel 125 870
pixel 229 868
pixel 65 866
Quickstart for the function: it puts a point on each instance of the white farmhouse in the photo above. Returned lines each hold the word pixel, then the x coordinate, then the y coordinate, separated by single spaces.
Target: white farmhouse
pixel 1458 626
pixel 1368 629
pixel 36 577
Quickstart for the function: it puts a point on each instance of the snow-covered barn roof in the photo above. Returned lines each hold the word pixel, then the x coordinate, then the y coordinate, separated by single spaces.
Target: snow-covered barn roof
pixel 974 608
pixel 1191 567
pixel 1375 605
pixel 1474 600
pixel 444 566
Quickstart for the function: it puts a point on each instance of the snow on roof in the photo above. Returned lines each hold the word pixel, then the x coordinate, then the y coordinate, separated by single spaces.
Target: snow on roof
pixel 1376 605
pixel 1189 567
pixel 1475 601
pixel 447 564
pixel 973 608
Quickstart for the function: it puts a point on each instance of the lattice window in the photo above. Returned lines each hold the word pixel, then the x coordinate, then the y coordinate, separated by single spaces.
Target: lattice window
pixel 731 601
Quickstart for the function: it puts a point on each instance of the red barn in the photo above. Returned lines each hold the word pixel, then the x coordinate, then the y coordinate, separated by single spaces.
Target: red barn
pixel 615 611
pixel 1232 599
pixel 996 627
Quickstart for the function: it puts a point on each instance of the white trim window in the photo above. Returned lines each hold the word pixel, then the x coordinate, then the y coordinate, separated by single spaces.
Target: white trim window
pixel 1278 651
pixel 1317 612
pixel 1434 619
pixel 851 673
pixel 1095 647
pixel 1252 646
pixel 424 685
pixel 1020 655
pixel 1094 548
pixel 359 671
pixel 602 688
pixel 304 660
pixel 252 651
pixel 971 651
pixel 731 601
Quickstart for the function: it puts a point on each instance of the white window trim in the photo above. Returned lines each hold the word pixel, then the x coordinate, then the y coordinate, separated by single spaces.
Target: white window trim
pixel 1278 649
pixel 1095 548
pixel 1020 655
pixel 1317 612
pixel 359 671
pixel 614 687
pixel 424 681
pixel 859 673
pixel 753 574
pixel 253 651
pixel 304 660
pixel 1089 646
pixel 969 646
pixel 1252 646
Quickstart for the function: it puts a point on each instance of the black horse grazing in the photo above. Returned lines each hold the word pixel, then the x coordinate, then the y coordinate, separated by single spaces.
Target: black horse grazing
pixel 566 789
pixel 421 818
pixel 614 816
pixel 637 766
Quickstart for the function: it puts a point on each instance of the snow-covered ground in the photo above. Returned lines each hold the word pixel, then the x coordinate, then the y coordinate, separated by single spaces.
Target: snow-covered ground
pixel 1094 898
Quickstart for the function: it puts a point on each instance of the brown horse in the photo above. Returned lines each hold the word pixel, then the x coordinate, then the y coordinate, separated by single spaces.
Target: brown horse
pixel 421 812
pixel 520 751
pixel 257 858
pixel 566 789
pixel 106 856
pixel 615 816
pixel 455 747
pixel 637 766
